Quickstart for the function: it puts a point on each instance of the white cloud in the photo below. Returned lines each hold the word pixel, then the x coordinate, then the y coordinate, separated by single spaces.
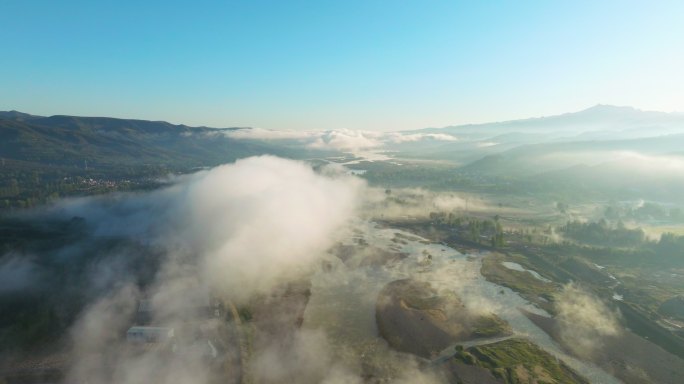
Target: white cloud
pixel 268 134
pixel 238 230
pixel 398 137
pixel 262 218
pixel 345 140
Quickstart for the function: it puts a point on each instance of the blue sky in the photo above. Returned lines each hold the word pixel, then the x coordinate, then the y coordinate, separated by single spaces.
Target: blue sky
pixel 372 65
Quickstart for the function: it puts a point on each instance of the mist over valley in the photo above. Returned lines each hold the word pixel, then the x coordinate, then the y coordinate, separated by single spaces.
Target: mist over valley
pixel 546 249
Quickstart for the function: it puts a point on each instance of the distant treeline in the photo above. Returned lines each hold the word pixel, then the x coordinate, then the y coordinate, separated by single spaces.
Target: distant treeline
pixel 602 234
pixel 477 230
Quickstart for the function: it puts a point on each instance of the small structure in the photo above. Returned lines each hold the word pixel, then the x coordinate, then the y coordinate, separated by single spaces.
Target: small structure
pixel 140 334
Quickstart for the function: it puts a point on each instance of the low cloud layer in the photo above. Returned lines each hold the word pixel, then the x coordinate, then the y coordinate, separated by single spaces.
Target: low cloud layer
pixel 241 231
pixel 347 140
pixel 242 225
pixel 235 231
pixel 344 140
pixel 263 218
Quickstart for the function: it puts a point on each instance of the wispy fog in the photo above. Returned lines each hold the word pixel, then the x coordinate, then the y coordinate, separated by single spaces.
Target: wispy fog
pixel 419 202
pixel 584 320
pixel 237 231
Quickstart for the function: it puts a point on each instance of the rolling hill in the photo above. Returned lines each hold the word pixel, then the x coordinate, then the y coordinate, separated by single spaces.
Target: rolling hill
pixel 106 142
pixel 45 158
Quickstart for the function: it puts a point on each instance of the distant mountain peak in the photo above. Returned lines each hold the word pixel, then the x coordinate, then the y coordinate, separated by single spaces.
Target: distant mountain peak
pixel 610 108
pixel 16 115
pixel 623 111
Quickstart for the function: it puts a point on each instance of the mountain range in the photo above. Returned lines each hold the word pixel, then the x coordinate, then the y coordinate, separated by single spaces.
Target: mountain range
pixel 70 141
pixel 518 147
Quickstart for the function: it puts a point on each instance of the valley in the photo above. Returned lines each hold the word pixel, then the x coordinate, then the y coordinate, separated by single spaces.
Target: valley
pixel 451 272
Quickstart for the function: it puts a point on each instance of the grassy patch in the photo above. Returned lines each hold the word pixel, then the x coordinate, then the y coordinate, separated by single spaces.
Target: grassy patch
pixel 490 326
pixel 533 289
pixel 519 361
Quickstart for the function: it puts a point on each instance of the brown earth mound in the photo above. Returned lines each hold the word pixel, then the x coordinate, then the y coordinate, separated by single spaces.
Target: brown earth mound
pixel 414 318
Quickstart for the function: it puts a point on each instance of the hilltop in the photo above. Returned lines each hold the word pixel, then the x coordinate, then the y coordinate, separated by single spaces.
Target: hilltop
pixel 49 157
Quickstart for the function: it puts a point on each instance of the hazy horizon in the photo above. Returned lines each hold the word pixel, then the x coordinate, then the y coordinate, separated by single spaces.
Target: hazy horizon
pixel 588 108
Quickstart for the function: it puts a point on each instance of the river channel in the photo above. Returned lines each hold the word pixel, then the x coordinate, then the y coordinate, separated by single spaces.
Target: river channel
pixel 343 297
